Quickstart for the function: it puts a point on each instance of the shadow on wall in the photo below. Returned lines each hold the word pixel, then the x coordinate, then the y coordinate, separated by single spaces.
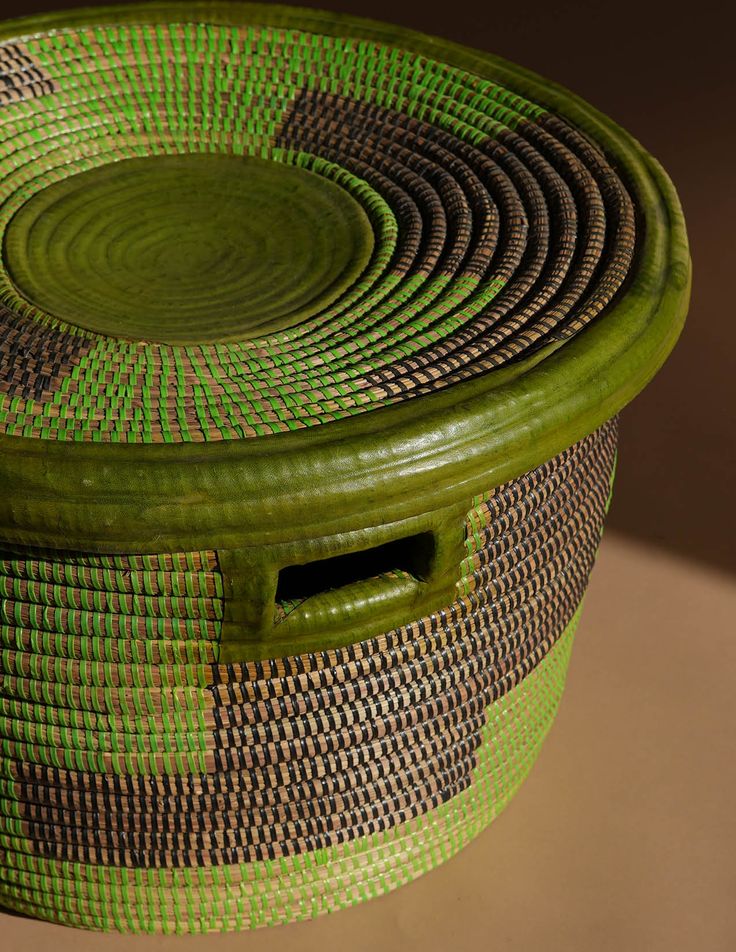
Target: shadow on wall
pixel 678 453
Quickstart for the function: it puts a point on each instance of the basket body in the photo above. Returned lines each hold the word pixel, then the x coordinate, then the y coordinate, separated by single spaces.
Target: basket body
pixel 148 788
pixel 313 337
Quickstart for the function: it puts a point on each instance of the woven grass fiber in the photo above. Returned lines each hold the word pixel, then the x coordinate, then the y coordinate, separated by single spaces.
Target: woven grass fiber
pixel 148 787
pixel 313 336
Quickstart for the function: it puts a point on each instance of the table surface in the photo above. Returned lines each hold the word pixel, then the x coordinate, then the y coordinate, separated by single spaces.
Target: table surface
pixel 623 836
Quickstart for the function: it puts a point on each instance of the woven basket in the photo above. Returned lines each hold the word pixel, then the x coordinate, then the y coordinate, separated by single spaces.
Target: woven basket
pixel 314 335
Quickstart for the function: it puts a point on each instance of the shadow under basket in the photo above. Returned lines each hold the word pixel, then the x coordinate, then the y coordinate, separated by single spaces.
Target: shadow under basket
pixel 314 336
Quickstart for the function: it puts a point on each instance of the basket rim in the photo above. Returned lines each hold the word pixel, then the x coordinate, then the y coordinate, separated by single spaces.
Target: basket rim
pixel 393 462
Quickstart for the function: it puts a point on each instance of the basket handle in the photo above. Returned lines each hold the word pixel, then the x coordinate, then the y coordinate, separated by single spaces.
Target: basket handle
pixel 292 598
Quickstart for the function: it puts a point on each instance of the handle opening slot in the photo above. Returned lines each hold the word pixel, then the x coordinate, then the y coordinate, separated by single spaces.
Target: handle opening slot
pixel 411 556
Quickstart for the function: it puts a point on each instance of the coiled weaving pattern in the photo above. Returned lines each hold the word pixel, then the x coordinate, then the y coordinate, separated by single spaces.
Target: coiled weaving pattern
pixel 145 786
pixel 310 328
pixel 483 228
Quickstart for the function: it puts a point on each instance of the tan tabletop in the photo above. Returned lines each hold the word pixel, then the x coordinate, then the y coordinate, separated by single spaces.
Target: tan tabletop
pixel 623 837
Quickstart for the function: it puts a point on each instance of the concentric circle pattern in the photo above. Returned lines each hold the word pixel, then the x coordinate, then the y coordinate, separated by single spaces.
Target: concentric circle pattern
pixel 184 248
pixel 495 228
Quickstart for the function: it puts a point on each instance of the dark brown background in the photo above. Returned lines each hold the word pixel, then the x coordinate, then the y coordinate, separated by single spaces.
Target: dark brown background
pixel 665 72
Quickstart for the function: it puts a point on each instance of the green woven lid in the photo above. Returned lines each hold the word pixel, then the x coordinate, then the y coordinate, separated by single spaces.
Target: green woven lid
pixel 271 273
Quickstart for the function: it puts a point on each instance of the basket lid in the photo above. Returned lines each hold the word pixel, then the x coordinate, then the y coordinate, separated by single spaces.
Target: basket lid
pixel 265 267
